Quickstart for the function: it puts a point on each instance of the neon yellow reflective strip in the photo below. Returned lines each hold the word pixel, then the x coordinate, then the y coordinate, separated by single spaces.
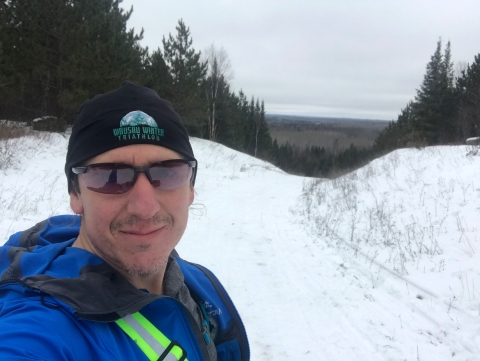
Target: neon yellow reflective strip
pixel 157 334
pixel 147 350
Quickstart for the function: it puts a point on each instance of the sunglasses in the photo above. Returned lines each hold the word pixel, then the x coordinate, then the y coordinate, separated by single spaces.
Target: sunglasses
pixel 118 178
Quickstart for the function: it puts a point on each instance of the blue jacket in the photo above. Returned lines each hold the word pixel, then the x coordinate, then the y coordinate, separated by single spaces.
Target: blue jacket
pixel 60 303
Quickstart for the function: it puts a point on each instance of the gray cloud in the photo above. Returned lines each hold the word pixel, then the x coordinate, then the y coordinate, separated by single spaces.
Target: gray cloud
pixel 361 59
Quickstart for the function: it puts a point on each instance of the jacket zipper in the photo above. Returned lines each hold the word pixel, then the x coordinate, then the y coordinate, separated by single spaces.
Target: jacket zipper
pixel 194 329
pixel 228 302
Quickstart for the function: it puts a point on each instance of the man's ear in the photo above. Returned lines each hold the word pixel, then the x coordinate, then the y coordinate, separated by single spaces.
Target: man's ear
pixel 76 202
pixel 192 195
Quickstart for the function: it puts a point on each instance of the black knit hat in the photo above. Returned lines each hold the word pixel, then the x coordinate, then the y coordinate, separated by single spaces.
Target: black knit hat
pixel 128 115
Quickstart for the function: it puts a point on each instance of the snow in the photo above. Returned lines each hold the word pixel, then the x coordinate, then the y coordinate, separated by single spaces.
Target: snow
pixel 47 117
pixel 380 264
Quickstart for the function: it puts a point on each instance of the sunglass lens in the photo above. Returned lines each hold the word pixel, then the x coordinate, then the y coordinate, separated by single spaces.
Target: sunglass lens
pixel 109 179
pixel 169 176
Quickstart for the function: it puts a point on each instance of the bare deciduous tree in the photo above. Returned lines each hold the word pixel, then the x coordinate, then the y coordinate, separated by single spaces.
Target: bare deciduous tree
pixel 219 73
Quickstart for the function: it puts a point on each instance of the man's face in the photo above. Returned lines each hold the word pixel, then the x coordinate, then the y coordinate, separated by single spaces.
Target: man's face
pixel 135 231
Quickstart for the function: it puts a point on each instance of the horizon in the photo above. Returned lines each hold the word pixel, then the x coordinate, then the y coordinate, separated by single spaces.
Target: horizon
pixel 267 114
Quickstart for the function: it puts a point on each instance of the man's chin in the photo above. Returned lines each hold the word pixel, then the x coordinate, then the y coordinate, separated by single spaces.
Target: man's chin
pixel 141 272
pixel 141 268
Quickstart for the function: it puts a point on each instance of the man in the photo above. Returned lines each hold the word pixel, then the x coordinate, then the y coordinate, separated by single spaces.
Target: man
pixel 108 284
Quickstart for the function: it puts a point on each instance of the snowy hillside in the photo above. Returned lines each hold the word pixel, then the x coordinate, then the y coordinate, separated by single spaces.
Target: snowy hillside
pixel 381 264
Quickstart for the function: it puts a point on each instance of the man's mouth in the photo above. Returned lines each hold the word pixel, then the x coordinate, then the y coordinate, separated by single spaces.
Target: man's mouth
pixel 141 232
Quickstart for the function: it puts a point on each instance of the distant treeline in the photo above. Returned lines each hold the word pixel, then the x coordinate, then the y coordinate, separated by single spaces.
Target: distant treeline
pixel 56 54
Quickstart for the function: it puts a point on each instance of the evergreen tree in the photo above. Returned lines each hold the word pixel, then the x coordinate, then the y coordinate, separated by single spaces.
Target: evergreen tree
pixel 245 124
pixel 188 74
pixel 58 53
pixel 435 99
pixel 397 134
pixel 99 51
pixel 447 70
pixel 468 114
pixel 158 75
pixel 449 102
pixel 227 118
pixel 250 128
pixel 30 54
pixel 263 141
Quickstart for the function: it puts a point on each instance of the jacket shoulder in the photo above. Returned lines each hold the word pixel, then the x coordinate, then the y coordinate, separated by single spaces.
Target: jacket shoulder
pixel 58 228
pixel 41 328
pixel 34 330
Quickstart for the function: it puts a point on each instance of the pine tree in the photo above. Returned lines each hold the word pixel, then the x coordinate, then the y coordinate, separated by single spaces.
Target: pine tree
pixel 263 140
pixel 30 55
pixel 188 74
pixel 158 75
pixel 58 53
pixel 447 70
pixel 468 114
pixel 257 122
pixel 245 124
pixel 249 126
pixel 449 101
pixel 426 102
pixel 99 51
pixel 227 118
pixel 435 101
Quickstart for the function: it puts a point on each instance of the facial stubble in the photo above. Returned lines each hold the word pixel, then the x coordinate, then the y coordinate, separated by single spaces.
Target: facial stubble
pixel 137 270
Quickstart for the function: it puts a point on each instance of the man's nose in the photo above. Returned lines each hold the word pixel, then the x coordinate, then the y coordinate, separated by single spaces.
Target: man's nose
pixel 142 200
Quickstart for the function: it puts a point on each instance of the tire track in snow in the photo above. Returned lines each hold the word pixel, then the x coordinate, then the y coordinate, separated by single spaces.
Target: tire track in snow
pixel 304 270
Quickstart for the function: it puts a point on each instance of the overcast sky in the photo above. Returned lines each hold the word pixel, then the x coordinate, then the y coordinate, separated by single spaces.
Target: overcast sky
pixel 337 58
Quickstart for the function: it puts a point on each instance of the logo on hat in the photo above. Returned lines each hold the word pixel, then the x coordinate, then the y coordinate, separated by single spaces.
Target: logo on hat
pixel 138 125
